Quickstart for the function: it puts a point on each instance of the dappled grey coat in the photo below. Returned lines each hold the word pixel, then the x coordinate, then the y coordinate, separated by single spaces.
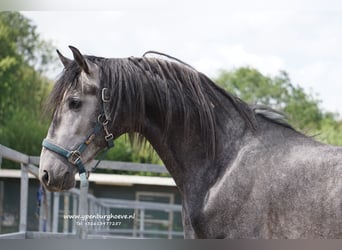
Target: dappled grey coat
pixel 242 171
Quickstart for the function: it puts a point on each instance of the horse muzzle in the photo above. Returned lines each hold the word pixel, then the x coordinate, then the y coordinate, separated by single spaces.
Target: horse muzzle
pixel 56 176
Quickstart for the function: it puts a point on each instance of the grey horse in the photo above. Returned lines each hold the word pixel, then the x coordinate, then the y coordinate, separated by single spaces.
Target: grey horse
pixel 242 172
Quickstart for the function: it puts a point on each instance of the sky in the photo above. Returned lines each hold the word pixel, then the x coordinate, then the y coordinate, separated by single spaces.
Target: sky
pixel 305 41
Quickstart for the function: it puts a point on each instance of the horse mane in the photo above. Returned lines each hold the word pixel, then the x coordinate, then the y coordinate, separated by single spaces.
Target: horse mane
pixel 174 85
pixel 168 80
pixel 67 80
pixel 272 115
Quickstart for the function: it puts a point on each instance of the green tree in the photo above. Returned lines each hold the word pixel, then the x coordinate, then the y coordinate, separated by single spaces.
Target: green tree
pixel 24 57
pixel 302 109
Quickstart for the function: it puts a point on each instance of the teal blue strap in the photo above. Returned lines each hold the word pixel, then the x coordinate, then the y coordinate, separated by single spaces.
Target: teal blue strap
pixel 83 180
pixel 69 155
pixel 57 149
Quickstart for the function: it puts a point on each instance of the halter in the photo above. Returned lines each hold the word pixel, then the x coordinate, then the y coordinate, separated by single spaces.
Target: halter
pixel 74 156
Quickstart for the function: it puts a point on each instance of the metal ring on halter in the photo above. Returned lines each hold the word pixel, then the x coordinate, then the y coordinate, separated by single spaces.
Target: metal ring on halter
pixel 105 95
pixel 102 119
pixel 105 123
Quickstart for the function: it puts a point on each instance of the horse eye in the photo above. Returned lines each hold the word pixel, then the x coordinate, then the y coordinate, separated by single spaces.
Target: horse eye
pixel 75 104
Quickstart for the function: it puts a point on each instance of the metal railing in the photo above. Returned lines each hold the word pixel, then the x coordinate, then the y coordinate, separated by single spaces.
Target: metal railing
pixel 79 202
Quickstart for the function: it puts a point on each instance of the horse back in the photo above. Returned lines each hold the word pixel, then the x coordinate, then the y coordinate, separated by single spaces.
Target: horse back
pixel 290 190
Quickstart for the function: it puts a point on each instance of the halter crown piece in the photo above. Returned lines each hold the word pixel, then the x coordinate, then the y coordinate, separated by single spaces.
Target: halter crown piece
pixel 74 156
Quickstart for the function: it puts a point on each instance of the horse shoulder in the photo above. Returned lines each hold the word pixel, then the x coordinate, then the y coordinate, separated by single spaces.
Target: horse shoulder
pixel 236 203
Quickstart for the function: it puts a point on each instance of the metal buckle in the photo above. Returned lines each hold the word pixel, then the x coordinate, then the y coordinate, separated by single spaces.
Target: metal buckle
pixel 109 137
pixel 74 157
pixel 105 95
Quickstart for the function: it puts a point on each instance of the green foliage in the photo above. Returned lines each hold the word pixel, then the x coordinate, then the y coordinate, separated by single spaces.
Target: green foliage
pixel 330 130
pixel 302 108
pixel 124 150
pixel 24 133
pixel 23 88
pixel 25 57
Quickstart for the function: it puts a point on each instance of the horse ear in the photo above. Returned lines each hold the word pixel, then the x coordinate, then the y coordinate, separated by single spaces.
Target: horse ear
pixel 79 58
pixel 64 60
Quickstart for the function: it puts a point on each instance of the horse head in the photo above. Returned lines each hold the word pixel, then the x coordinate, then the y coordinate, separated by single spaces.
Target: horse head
pixel 77 131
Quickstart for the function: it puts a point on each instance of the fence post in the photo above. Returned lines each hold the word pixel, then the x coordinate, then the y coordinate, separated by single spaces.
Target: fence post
pixel 107 211
pixel 44 215
pixel 83 210
pixel 1 202
pixel 48 208
pixel 66 212
pixel 171 216
pixel 91 209
pixel 142 222
pixel 55 212
pixel 24 186
pixel 74 212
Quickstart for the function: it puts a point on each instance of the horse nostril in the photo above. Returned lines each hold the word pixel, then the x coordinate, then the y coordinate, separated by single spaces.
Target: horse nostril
pixel 45 177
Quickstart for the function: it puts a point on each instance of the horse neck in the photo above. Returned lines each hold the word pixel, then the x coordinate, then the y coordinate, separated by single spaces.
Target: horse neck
pixel 152 102
pixel 186 156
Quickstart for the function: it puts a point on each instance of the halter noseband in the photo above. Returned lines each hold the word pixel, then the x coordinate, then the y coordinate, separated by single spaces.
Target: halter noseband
pixel 74 156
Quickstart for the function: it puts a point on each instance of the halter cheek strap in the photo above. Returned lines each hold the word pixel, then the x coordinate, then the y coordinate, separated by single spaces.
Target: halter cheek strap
pixel 74 156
